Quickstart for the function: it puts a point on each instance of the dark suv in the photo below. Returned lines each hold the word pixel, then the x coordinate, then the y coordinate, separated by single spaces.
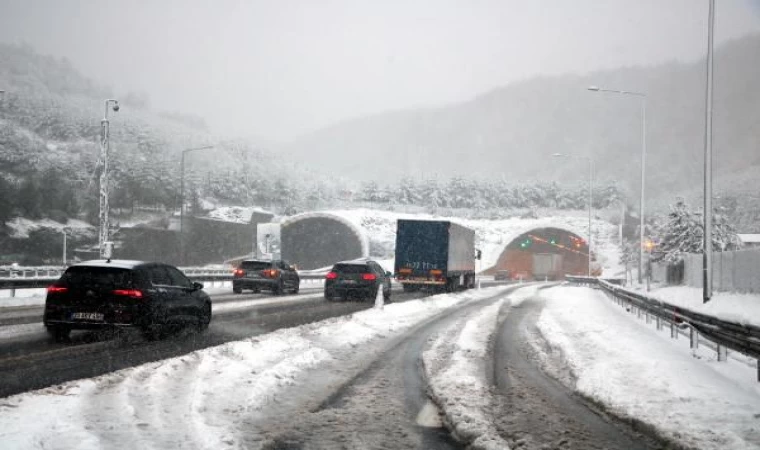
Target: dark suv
pixel 275 276
pixel 100 294
pixel 360 279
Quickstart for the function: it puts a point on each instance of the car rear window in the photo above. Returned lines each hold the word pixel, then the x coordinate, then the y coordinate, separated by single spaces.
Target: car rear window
pixel 111 277
pixel 351 268
pixel 256 265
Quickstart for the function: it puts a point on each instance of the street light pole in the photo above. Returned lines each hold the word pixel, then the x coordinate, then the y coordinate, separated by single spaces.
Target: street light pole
pixel 643 97
pixel 590 197
pixel 64 246
pixel 182 199
pixel 103 235
pixel 708 249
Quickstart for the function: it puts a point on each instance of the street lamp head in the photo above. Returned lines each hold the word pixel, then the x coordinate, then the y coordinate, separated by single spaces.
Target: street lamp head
pixel 115 106
pixel 593 88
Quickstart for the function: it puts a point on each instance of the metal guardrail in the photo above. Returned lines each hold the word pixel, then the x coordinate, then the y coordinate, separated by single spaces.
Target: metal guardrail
pixel 726 335
pixel 199 275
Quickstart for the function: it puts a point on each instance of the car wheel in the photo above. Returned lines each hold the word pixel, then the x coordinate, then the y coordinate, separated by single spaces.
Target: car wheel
pixel 279 289
pixel 297 288
pixel 59 334
pixel 237 290
pixel 387 296
pixel 204 317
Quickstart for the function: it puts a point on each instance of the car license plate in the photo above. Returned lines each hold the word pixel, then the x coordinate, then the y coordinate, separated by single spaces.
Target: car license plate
pixel 348 282
pixel 87 316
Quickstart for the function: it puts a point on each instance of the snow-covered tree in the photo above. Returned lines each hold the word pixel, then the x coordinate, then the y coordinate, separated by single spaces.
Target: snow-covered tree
pixel 682 231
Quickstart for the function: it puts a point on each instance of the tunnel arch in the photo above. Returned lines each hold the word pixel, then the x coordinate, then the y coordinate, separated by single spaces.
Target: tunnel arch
pixel 544 253
pixel 318 239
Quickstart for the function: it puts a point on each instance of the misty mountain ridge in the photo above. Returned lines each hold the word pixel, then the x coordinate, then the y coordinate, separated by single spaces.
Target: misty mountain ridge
pixel 510 133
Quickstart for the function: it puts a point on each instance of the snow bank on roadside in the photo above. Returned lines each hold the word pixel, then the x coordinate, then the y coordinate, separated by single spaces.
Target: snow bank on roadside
pixel 642 374
pixel 455 369
pixel 730 306
pixel 210 398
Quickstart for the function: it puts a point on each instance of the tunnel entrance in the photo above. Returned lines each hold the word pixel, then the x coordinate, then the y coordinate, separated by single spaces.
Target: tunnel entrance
pixel 544 254
pixel 313 241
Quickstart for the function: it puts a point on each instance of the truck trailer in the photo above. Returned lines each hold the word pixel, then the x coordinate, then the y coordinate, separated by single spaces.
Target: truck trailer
pixel 434 254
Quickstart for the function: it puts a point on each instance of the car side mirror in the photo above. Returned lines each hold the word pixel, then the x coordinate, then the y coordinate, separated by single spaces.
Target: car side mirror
pixel 197 286
pixel 388 274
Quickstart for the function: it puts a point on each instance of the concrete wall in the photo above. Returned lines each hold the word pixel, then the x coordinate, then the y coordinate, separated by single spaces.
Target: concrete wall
pixel 732 271
pixel 206 241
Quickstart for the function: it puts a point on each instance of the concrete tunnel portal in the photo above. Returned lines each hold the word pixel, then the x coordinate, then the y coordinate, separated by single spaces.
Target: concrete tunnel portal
pixel 317 240
pixel 544 253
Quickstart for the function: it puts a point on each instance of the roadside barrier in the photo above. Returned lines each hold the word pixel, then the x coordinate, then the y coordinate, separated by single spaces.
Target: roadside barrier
pixel 718 335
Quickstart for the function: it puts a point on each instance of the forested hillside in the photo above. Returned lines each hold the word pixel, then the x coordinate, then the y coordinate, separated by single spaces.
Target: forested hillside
pixel 512 131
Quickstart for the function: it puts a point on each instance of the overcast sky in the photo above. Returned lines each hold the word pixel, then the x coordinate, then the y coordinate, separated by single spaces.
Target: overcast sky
pixel 278 68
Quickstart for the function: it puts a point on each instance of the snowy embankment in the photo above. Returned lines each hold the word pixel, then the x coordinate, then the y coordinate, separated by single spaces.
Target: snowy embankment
pixel 217 397
pixel 455 367
pixel 729 306
pixel 641 374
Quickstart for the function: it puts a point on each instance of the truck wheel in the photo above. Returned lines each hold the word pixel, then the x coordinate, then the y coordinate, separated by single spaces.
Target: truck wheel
pixel 237 290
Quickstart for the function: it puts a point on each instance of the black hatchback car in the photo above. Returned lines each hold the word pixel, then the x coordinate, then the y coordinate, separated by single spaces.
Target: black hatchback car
pixel 359 279
pixel 276 276
pixel 118 293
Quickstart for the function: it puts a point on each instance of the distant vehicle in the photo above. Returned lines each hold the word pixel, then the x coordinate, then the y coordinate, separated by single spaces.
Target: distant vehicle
pixel 436 254
pixel 547 266
pixel 502 275
pixel 358 279
pixel 116 293
pixel 257 275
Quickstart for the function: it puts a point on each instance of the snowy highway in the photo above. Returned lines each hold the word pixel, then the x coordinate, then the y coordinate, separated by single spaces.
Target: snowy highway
pixel 30 360
pixel 505 367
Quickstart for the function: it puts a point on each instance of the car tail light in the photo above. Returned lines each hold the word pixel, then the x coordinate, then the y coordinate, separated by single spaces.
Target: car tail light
pixel 369 277
pixel 270 273
pixel 131 293
pixel 55 289
pixel 238 273
pixel 332 275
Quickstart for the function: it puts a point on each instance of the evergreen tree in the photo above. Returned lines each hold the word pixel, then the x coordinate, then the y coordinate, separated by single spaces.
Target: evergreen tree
pixel 682 231
pixel 7 194
pixel 29 199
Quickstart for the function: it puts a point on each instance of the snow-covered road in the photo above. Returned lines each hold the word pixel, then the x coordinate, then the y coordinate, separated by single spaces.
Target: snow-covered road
pixel 645 376
pixel 218 397
pixel 338 383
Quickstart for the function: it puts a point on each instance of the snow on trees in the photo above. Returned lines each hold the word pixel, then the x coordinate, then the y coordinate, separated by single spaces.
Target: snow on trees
pixel 682 231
